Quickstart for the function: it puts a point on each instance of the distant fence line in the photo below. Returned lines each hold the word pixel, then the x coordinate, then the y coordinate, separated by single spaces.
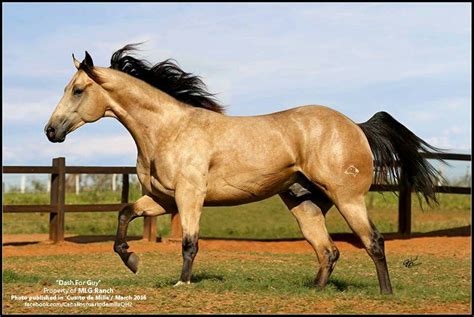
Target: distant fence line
pixel 77 184
pixel 58 206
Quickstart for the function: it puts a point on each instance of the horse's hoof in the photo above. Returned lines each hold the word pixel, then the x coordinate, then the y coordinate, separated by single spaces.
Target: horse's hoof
pixel 132 262
pixel 182 283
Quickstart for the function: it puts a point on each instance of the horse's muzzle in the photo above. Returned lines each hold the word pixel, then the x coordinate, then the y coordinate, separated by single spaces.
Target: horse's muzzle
pixel 52 135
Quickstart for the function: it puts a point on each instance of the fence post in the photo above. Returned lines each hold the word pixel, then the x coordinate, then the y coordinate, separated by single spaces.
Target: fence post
pixel 404 206
pixel 176 229
pixel 77 179
pixel 23 184
pixel 149 226
pixel 125 188
pixel 114 182
pixel 58 199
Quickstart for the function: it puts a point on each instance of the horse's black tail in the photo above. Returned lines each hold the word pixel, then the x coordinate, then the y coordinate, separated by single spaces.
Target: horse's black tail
pixel 393 146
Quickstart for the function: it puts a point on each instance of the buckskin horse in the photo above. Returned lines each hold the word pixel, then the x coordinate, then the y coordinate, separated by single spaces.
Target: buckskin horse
pixel 191 155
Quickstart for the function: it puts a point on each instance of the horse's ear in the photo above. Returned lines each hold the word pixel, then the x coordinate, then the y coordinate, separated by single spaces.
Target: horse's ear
pixel 76 62
pixel 88 61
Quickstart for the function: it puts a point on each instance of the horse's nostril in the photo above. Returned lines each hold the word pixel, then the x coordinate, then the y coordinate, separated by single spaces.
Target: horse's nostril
pixel 50 132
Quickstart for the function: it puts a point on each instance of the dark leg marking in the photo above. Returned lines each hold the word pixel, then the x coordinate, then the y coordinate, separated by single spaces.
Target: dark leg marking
pixel 378 245
pixel 377 253
pixel 189 249
pixel 333 257
pixel 327 266
pixel 130 259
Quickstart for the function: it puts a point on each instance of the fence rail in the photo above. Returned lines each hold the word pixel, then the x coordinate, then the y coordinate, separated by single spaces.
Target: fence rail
pixel 58 206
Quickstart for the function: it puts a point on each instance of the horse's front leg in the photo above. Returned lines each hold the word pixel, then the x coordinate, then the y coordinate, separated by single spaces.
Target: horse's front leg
pixel 145 206
pixel 189 199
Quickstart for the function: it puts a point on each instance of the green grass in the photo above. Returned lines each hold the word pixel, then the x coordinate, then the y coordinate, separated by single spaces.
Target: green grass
pixel 10 276
pixel 268 219
pixel 243 282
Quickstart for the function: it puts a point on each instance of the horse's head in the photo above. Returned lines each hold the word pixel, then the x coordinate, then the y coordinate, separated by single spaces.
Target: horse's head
pixel 84 101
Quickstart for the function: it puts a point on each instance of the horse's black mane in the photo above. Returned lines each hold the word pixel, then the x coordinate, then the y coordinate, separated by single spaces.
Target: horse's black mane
pixel 166 76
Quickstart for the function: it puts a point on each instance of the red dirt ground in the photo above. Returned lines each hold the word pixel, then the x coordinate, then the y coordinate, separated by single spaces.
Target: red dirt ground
pixel 38 244
pixel 28 245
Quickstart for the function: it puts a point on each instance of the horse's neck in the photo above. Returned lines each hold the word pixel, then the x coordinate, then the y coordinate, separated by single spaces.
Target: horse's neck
pixel 147 113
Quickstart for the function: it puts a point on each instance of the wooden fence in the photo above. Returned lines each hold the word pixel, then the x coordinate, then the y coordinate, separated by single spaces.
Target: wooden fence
pixel 58 206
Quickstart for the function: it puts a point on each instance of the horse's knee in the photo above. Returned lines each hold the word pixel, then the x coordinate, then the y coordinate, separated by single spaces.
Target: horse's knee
pixel 127 214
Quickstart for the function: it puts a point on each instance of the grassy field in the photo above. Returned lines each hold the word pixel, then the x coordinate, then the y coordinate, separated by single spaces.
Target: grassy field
pixel 233 281
pixel 246 282
pixel 268 219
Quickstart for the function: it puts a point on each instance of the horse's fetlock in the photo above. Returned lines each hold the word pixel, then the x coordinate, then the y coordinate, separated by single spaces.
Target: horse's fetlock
pixel 121 248
pixel 190 246
pixel 332 255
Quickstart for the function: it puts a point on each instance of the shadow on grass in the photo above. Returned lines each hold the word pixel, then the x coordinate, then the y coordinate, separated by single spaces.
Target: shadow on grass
pixel 347 237
pixel 19 244
pixel 453 232
pixel 355 241
pixel 83 239
pixel 103 238
pixel 342 285
pixel 336 284
pixel 196 278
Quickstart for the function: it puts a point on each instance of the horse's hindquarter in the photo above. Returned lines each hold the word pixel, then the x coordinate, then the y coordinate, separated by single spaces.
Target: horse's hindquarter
pixel 257 157
pixel 334 152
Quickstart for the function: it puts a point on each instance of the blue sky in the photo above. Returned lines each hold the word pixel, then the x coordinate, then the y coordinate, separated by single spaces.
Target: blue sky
pixel 411 60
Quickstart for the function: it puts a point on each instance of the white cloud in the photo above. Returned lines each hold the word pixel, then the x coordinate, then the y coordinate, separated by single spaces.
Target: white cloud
pixel 436 111
pixel 76 150
pixel 456 104
pixel 27 112
pixel 440 142
pixel 452 138
pixel 28 105
pixel 109 145
pixel 423 116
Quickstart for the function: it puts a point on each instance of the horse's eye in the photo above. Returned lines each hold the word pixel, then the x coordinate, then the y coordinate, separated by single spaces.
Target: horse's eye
pixel 77 91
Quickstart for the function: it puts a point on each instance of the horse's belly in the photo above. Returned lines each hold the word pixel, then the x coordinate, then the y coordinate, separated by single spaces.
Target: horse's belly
pixel 247 187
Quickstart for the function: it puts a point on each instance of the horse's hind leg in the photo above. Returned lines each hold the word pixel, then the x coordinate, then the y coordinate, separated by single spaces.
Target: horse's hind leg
pixel 309 211
pixel 145 206
pixel 355 213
